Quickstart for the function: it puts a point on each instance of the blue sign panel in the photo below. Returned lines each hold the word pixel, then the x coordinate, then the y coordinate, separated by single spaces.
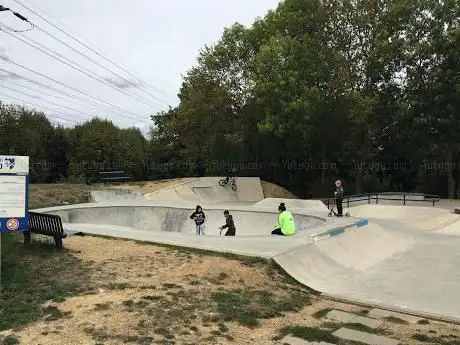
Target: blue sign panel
pixel 14 193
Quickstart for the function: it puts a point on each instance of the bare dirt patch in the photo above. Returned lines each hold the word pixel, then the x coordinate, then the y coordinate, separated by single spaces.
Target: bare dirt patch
pixel 274 191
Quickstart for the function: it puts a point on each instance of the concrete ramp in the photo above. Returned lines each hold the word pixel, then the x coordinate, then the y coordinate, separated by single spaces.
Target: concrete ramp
pixel 308 205
pixel 401 271
pixel 208 190
pixel 416 218
pixel 113 194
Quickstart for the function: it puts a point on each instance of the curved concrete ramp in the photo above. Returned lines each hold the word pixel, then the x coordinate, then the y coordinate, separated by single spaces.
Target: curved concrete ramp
pixel 415 218
pixel 207 189
pixel 408 272
pixel 114 195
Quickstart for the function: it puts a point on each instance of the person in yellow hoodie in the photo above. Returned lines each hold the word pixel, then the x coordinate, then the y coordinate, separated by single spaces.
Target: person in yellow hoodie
pixel 286 224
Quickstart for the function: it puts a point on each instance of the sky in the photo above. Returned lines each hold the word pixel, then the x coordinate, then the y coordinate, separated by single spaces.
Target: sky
pixel 155 41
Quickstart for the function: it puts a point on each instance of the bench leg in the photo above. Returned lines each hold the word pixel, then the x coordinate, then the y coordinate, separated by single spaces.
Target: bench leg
pixel 58 241
pixel 27 237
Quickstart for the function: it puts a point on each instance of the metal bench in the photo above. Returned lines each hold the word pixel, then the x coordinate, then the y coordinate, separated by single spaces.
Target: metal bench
pixel 113 176
pixel 45 224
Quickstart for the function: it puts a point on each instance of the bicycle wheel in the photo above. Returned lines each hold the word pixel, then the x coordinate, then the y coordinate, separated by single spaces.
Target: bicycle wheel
pixel 222 182
pixel 234 186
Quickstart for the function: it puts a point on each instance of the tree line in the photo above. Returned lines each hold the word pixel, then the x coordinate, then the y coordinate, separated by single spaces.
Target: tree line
pixel 367 91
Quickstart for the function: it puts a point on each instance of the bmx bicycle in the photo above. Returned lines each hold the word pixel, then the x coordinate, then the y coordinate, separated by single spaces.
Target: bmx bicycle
pixel 228 180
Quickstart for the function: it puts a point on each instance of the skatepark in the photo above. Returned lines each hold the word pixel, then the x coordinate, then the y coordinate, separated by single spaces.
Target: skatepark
pixel 388 255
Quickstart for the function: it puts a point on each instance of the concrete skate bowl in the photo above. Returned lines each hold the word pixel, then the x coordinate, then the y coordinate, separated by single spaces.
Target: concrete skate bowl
pixel 177 219
pixel 411 272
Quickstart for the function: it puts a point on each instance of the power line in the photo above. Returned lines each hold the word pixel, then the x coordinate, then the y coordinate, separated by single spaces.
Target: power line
pixel 39 106
pixel 47 94
pixel 80 68
pixel 72 88
pixel 86 46
pixel 61 92
pixel 99 64
pixel 56 104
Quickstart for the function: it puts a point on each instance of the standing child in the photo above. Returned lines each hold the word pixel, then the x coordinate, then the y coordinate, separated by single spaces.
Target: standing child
pixel 199 218
pixel 339 197
pixel 229 224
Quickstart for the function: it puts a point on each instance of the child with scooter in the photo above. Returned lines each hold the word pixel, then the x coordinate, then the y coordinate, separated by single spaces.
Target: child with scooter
pixel 199 217
pixel 338 193
pixel 229 224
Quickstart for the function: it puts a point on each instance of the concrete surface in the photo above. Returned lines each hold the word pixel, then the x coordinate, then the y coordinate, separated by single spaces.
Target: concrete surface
pixel 363 337
pixel 290 340
pixel 395 258
pixel 113 195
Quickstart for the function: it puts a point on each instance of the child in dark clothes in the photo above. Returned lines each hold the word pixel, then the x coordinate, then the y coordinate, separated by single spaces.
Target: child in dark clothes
pixel 199 218
pixel 229 224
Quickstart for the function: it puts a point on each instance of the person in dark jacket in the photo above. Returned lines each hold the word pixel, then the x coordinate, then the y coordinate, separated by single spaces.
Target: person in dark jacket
pixel 339 197
pixel 229 224
pixel 199 217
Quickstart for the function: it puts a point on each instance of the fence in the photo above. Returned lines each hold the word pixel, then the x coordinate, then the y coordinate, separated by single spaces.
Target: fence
pixel 382 197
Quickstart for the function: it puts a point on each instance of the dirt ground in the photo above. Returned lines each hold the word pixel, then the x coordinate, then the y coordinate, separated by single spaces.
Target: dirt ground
pixel 129 292
pixel 274 191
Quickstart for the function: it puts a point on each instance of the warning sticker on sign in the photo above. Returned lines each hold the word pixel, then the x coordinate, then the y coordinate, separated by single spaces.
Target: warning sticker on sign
pixel 12 224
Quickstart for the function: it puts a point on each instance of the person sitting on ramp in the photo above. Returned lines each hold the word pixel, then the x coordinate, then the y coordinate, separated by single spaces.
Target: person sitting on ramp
pixel 286 224
pixel 229 224
pixel 199 218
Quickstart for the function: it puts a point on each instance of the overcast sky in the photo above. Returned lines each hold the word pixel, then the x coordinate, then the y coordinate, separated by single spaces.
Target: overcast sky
pixel 158 41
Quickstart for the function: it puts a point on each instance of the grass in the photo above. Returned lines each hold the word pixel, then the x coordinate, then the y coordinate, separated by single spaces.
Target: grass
pixel 397 320
pixel 33 275
pixel 322 313
pixel 423 322
pixel 436 340
pixel 363 328
pixel 313 334
pixel 9 340
pixel 308 333
pixel 247 307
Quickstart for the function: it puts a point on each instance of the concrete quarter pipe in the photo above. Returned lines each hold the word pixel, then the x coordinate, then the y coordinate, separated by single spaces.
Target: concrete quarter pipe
pixel 405 259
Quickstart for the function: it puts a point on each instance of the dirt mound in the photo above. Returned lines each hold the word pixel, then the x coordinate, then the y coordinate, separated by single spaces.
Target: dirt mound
pixel 272 190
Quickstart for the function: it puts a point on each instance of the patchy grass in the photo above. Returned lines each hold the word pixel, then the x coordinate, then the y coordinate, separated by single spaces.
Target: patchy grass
pixel 33 275
pixel 248 306
pixel 313 334
pixel 322 313
pixel 9 340
pixel 396 320
pixel 423 322
pixel 363 328
pixel 308 333
pixel 442 340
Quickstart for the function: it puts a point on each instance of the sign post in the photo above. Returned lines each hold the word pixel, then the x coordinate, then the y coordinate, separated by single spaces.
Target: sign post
pixel 14 195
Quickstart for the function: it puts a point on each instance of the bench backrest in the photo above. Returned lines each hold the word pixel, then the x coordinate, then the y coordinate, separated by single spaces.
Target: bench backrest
pixel 45 223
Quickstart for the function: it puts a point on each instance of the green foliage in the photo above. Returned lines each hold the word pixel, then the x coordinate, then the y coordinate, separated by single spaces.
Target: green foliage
pixel 367 91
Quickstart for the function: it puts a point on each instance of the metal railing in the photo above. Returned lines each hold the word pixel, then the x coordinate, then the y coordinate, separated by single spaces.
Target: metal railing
pixel 389 196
